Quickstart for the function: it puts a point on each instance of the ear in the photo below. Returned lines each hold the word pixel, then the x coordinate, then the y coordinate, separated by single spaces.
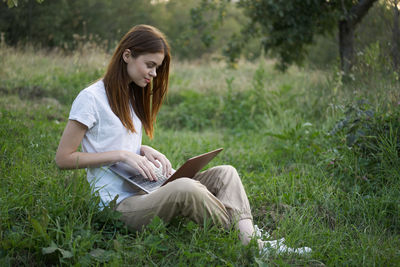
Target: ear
pixel 126 55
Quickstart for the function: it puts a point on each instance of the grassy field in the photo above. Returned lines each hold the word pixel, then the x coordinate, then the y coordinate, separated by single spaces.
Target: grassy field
pixel 319 160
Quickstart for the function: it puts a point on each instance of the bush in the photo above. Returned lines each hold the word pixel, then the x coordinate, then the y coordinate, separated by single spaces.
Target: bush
pixel 369 144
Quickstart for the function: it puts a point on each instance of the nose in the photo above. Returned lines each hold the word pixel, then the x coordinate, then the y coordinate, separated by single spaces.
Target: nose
pixel 153 72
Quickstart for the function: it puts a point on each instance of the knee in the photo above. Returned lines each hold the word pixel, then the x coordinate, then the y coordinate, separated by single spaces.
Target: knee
pixel 229 169
pixel 188 187
pixel 227 172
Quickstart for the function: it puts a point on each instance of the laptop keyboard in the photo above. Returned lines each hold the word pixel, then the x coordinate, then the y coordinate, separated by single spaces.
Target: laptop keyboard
pixel 140 181
pixel 150 185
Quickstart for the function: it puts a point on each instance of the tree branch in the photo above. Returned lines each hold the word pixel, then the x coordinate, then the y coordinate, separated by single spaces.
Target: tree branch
pixel 358 11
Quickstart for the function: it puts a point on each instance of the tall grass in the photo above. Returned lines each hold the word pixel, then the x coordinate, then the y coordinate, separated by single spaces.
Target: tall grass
pixel 283 132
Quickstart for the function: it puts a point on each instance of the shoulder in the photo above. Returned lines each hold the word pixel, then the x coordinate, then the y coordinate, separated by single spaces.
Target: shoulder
pixel 90 97
pixel 89 104
pixel 96 90
pixel 93 94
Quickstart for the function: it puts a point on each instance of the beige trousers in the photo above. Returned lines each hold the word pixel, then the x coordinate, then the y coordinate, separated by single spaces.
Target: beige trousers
pixel 215 194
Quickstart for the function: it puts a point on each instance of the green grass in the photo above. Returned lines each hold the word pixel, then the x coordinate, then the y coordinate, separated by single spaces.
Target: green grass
pixel 302 183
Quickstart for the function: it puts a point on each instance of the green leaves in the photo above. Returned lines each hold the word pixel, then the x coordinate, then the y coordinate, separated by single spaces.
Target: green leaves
pixel 11 3
pixel 101 255
pixel 372 144
pixel 14 3
pixel 289 26
pixel 206 20
pixel 54 249
pixel 40 229
pixel 356 123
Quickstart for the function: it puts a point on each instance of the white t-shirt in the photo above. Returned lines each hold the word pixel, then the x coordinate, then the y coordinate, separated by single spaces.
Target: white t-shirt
pixel 105 133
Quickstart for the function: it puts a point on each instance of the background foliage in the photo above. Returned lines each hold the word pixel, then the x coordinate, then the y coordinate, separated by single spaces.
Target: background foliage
pixel 319 158
pixel 194 28
pixel 319 161
pixel 70 24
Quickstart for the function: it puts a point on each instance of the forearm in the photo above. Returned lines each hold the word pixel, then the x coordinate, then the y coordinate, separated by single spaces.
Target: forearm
pixel 78 160
pixel 68 156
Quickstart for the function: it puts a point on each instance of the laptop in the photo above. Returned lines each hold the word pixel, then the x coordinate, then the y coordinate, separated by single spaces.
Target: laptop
pixel 188 169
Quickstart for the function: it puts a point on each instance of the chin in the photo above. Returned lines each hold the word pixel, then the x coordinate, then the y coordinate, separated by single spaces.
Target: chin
pixel 140 84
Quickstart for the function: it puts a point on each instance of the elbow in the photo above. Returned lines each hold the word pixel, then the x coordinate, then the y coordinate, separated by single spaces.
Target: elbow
pixel 60 162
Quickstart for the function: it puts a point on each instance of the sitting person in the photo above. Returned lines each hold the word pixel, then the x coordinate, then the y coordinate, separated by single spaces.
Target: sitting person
pixel 107 119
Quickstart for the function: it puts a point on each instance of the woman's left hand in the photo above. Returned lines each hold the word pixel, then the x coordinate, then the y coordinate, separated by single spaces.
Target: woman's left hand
pixel 156 157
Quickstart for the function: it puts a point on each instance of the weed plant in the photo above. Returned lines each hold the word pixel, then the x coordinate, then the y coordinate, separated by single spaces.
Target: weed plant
pixel 319 160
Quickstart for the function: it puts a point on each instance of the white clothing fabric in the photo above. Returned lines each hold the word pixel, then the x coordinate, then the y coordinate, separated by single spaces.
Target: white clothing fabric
pixel 105 133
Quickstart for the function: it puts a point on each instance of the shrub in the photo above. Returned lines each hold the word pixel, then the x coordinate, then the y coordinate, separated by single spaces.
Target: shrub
pixel 368 144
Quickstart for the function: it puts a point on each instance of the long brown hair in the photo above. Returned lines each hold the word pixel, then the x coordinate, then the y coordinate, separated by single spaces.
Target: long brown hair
pixel 122 93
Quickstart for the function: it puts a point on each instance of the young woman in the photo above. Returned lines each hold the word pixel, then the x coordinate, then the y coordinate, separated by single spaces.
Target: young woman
pixel 107 119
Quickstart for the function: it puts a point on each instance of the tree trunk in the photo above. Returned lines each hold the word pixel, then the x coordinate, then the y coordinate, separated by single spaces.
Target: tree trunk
pixel 346 46
pixel 347 27
pixel 396 36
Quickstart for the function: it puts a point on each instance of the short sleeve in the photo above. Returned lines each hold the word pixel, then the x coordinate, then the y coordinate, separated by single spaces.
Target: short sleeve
pixel 83 109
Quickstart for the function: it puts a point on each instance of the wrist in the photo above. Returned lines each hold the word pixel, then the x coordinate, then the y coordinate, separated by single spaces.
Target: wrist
pixel 121 156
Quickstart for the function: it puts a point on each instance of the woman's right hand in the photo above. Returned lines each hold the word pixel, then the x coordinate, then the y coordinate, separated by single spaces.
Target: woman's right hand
pixel 140 163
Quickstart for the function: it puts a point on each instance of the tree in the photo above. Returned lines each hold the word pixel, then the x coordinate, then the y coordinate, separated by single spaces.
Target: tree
pixel 194 28
pixel 67 24
pixel 351 16
pixel 396 35
pixel 288 27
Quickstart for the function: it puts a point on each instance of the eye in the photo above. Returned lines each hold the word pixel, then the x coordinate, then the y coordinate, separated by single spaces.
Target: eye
pixel 151 65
